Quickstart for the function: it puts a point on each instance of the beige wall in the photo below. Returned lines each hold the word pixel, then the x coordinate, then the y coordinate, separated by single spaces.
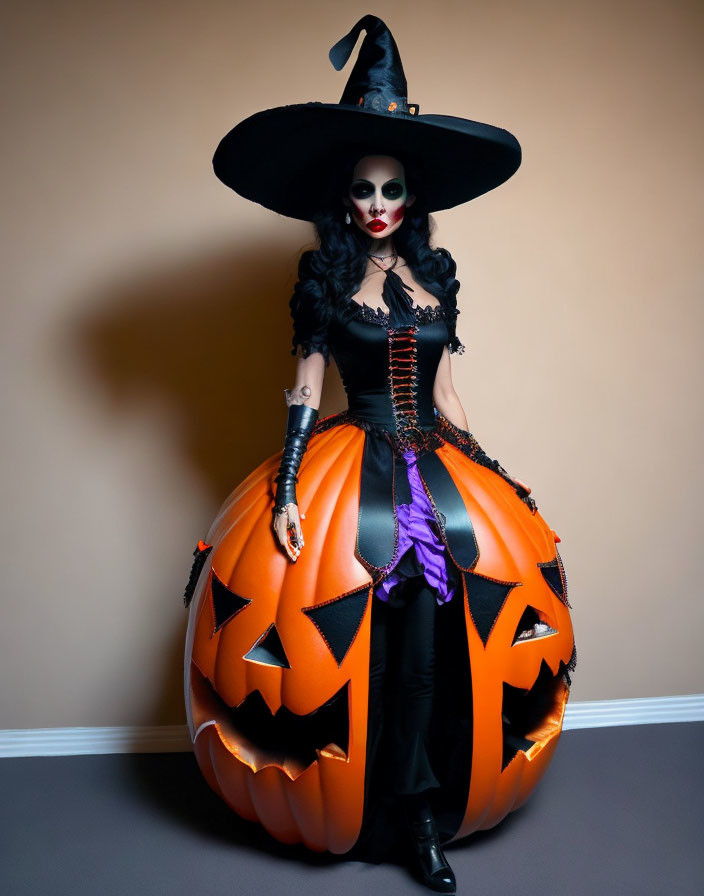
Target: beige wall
pixel 133 282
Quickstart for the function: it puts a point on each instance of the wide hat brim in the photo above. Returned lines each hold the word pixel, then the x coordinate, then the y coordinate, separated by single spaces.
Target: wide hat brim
pixel 281 158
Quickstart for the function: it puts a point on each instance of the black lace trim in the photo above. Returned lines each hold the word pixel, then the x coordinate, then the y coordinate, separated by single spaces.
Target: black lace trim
pixel 569 667
pixel 424 314
pixel 309 346
pixel 455 346
pixel 421 441
pixel 469 446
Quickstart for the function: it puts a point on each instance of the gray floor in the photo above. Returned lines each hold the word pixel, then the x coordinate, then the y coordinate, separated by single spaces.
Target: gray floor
pixel 618 812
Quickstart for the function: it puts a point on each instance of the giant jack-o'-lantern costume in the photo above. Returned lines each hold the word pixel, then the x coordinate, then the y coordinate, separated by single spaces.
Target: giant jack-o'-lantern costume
pixel 405 667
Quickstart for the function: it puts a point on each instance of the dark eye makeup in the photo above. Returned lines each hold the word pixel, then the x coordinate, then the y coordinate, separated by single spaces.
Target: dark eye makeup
pixel 362 189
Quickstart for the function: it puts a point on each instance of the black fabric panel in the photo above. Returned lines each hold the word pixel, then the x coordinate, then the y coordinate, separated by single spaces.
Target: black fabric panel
pixel 338 620
pixel 377 526
pixel 402 487
pixel 486 598
pixel 226 603
pixel 455 524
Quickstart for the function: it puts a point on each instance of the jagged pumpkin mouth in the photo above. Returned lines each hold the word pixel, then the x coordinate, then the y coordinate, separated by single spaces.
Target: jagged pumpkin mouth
pixel 532 718
pixel 258 738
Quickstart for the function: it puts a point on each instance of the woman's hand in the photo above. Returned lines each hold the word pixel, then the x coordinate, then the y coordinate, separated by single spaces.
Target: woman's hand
pixel 287 528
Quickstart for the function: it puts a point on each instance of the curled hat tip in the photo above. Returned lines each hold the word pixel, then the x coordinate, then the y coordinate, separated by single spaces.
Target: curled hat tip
pixel 341 51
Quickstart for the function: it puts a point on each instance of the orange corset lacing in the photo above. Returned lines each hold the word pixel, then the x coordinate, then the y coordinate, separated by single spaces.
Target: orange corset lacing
pixel 403 381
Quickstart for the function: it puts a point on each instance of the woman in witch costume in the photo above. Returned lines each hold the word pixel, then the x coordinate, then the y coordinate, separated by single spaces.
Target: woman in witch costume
pixel 386 487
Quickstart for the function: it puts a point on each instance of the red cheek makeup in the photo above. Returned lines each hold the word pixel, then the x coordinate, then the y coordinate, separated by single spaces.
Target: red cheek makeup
pixel 397 214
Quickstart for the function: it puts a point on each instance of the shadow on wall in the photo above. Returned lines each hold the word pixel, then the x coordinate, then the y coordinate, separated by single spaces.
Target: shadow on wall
pixel 208 342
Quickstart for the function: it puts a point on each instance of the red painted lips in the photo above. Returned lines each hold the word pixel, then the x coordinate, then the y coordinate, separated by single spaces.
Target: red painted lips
pixel 377 225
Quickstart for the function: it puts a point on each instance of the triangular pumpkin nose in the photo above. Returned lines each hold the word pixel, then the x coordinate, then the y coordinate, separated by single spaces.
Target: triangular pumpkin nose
pixel 269 650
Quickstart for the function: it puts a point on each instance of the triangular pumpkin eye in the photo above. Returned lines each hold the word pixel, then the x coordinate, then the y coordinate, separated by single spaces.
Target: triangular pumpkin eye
pixel 554 574
pixel 486 597
pixel 226 603
pixel 532 625
pixel 338 620
pixel 269 650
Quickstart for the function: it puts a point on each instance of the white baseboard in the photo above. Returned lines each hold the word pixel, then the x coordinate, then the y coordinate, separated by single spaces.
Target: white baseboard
pixel 84 741
pixel 634 711
pixel 175 739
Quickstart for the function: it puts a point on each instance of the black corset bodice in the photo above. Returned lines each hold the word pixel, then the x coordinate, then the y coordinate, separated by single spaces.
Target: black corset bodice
pixel 388 373
pixel 388 360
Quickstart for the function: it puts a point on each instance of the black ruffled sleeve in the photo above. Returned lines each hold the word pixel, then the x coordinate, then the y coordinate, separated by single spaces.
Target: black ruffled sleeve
pixel 453 341
pixel 310 331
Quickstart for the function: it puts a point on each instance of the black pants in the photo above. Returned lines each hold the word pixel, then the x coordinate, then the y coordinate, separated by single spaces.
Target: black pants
pixel 404 717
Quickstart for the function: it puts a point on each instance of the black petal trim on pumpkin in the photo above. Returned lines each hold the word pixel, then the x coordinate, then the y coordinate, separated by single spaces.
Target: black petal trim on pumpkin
pixel 377 523
pixel 225 603
pixel 486 597
pixel 338 620
pixel 456 529
pixel 199 557
pixel 269 650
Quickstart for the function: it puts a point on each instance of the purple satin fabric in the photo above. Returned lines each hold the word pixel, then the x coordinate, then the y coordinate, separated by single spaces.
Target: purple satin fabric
pixel 414 531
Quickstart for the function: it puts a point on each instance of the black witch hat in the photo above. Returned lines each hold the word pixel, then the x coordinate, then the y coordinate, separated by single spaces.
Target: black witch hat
pixel 281 157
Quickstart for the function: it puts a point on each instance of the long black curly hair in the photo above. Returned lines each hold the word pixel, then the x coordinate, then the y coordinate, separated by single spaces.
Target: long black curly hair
pixel 333 272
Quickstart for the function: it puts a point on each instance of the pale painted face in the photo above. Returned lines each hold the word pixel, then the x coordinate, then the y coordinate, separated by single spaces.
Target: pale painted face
pixel 377 197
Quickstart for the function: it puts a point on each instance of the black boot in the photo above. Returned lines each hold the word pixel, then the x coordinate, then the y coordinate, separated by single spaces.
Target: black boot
pixel 434 869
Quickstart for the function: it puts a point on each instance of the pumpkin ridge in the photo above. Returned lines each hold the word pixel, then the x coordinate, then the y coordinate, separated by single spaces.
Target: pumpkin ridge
pixel 492 486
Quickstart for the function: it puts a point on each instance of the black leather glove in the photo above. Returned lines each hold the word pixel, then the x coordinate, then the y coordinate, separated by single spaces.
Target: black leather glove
pixel 299 426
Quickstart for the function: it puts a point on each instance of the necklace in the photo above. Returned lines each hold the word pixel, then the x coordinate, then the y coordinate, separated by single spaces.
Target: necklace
pixel 394 255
